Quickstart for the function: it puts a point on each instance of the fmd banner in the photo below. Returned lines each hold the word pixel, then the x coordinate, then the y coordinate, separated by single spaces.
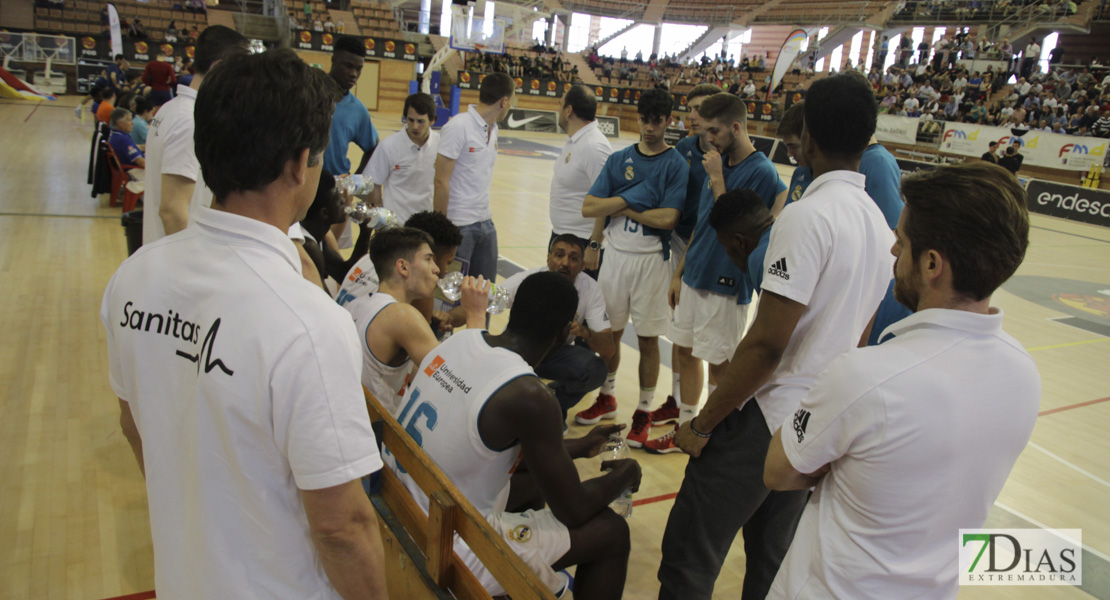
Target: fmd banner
pixel 1040 148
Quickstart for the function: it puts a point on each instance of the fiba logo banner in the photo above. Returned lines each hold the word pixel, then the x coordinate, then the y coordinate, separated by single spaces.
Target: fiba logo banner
pixel 1021 557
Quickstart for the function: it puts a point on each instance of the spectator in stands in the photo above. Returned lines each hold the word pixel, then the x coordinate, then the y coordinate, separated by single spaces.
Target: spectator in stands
pixel 143 112
pixel 135 31
pixel 329 25
pixel 124 147
pixel 194 33
pixel 196 6
pixel 1029 57
pixel 106 106
pixel 169 34
pixel 991 155
pixel 159 75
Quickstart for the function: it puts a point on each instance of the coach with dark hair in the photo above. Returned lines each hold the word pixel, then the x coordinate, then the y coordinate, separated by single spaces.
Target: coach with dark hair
pixel 238 381
pixel 351 122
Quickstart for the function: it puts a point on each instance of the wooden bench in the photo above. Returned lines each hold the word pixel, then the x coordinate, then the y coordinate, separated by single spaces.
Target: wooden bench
pixel 419 560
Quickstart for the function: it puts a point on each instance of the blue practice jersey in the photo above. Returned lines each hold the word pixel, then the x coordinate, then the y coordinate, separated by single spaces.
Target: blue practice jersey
pixel 350 123
pixel 754 276
pixel 708 267
pixel 644 182
pixel 690 150
pixel 890 312
pixel 884 181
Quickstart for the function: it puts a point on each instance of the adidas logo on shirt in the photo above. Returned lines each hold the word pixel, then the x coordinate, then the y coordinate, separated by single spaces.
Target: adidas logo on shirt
pixel 628 160
pixel 801 421
pixel 779 268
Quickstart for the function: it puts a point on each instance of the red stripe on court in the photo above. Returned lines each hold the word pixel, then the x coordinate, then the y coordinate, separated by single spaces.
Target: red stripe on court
pixel 654 499
pixel 136 596
pixel 1080 405
pixel 33 112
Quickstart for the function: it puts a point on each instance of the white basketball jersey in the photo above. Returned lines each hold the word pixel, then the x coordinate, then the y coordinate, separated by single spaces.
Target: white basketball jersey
pixel 386 382
pixel 441 409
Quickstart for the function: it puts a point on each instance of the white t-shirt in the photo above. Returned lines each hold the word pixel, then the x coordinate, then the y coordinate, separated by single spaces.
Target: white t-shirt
pixel 387 382
pixel 406 173
pixel 361 280
pixel 591 303
pixel 169 151
pixel 464 139
pixel 830 251
pixel 243 379
pixel 922 432
pixel 578 165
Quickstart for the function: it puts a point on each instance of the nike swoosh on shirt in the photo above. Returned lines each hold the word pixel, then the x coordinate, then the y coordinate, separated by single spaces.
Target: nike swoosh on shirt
pixel 513 123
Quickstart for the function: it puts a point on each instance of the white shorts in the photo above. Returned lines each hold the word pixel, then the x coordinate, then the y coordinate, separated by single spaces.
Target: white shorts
pixel 709 323
pixel 537 537
pixel 635 286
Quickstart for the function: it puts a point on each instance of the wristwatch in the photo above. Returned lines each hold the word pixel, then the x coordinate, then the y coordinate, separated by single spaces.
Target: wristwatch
pixel 595 245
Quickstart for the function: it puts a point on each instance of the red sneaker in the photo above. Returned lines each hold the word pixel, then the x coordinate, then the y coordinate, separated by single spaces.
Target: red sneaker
pixel 605 407
pixel 641 426
pixel 668 413
pixel 663 444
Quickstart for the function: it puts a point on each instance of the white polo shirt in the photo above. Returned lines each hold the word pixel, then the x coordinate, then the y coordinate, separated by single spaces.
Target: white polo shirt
pixel 830 251
pixel 244 381
pixel 406 173
pixel 169 151
pixel 578 165
pixel 464 139
pixel 922 432
pixel 591 302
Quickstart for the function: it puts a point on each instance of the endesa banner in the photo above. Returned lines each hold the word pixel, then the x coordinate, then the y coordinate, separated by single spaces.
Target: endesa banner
pixel 1040 148
pixel 1075 203
pixel 376 47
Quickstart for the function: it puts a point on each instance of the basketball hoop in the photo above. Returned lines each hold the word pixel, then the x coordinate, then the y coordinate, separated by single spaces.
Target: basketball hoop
pixel 479 47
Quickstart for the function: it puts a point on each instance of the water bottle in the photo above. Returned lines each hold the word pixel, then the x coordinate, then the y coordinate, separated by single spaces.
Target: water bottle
pixel 451 284
pixel 358 185
pixel 617 449
pixel 375 217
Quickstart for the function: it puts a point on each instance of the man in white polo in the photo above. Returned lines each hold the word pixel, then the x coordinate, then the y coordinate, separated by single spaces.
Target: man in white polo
pixel 238 381
pixel 577 167
pixel 464 173
pixel 941 410
pixel 172 168
pixel 403 165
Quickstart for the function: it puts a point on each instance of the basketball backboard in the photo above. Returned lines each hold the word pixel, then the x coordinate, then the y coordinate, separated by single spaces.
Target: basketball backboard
pixel 472 33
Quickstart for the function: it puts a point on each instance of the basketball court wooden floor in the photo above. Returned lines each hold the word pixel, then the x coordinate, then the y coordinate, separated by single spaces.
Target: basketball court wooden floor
pixel 73 517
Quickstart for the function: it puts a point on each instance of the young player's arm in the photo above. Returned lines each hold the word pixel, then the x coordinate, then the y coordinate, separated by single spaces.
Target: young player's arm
pixel 595 206
pixel 177 192
pixel 525 411
pixel 599 341
pixel 375 198
pixel 444 167
pixel 337 266
pixel 659 218
pixel 592 258
pixel 780 203
pixel 131 433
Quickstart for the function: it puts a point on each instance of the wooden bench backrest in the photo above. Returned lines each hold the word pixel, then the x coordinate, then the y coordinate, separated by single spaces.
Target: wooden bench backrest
pixel 449 512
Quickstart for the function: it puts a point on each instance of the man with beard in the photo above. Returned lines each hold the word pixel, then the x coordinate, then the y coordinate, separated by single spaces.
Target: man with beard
pixel 575 369
pixel 885 428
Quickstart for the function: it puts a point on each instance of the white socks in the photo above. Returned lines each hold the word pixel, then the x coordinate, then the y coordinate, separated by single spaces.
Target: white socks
pixel 647 397
pixel 610 386
pixel 686 413
pixel 676 390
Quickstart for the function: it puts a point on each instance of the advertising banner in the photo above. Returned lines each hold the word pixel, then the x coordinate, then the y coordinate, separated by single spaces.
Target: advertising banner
pixel 793 98
pixel 759 110
pixel 526 119
pixel 1086 205
pixel 899 130
pixel 610 126
pixel 375 47
pixel 1040 148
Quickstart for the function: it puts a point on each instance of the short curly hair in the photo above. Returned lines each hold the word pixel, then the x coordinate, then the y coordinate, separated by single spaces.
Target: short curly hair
pixel 444 233
pixel 841 114
pixel 655 103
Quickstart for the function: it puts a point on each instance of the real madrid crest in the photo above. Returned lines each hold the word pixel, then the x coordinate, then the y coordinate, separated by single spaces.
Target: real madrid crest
pixel 629 173
pixel 796 194
pixel 567 159
pixel 520 533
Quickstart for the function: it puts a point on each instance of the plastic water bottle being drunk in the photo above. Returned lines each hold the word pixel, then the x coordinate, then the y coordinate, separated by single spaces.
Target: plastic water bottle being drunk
pixel 451 284
pixel 617 449
pixel 358 185
pixel 375 217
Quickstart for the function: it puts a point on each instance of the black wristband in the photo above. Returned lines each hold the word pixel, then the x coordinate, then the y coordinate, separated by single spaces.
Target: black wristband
pixel 703 436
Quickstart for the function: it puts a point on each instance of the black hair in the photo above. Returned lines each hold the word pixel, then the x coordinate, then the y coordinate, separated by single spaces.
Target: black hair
pixel 422 103
pixel 444 233
pixel 738 208
pixel 494 87
pixel 655 103
pixel 545 303
pixel 567 238
pixel 256 113
pixel 792 120
pixel 217 43
pixel 106 93
pixel 390 244
pixel 349 43
pixel 142 105
pixel 324 191
pixel 840 115
pixel 582 101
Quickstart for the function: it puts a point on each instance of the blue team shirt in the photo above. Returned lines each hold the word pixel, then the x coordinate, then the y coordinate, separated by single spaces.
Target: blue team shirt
pixel 884 182
pixel 754 276
pixel 708 267
pixel 139 131
pixel 890 312
pixel 350 123
pixel 124 147
pixel 690 150
pixel 636 177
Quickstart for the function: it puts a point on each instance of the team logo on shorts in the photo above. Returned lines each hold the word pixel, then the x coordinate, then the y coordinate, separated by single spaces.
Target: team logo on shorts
pixel 520 534
pixel 801 420
pixel 629 173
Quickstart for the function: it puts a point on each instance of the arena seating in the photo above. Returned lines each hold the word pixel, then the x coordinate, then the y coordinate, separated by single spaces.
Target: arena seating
pixel 82 17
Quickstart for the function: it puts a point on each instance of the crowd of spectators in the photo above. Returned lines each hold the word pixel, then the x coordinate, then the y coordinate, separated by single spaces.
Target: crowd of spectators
pixel 539 62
